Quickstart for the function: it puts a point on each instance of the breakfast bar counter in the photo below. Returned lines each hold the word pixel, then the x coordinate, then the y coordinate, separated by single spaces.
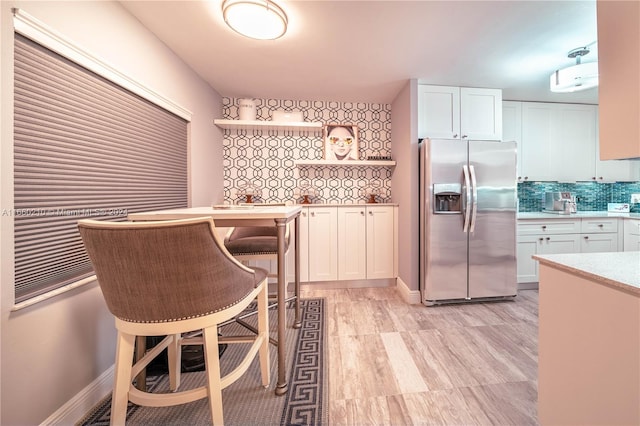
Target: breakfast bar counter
pixel 589 338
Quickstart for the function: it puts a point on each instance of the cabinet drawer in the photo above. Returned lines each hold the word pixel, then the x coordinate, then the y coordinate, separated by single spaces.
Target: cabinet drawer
pixel 559 226
pixel 597 225
pixel 632 227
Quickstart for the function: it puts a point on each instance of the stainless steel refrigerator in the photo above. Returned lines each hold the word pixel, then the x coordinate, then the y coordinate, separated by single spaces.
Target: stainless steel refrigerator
pixel 468 201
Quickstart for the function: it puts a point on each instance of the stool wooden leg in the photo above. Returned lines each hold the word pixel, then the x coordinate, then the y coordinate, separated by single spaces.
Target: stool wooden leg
pixel 122 379
pixel 174 355
pixel 263 330
pixel 212 363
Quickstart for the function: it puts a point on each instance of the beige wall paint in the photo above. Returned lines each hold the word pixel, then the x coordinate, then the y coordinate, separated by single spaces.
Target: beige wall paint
pixel 619 86
pixel 52 350
pixel 404 182
pixel 588 351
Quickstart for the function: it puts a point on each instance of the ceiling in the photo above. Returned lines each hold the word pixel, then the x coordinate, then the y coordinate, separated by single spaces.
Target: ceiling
pixel 364 51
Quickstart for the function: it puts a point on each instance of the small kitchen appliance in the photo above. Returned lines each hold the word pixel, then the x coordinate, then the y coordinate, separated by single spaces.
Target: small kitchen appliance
pixel 557 202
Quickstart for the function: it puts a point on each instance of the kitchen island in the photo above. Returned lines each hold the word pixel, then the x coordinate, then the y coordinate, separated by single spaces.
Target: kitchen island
pixel 589 338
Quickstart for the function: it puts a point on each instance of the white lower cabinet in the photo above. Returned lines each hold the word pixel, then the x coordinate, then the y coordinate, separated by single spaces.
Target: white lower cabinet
pixel 598 243
pixel 631 235
pixel 352 239
pixel 380 242
pixel 528 245
pixel 323 243
pixel 587 235
pixel 347 243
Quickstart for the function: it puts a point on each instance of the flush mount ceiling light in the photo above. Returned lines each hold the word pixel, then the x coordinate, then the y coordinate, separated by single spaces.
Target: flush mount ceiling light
pixel 577 77
pixel 259 19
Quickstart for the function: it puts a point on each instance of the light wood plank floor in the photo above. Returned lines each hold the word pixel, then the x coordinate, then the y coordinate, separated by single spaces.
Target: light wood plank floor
pixel 391 363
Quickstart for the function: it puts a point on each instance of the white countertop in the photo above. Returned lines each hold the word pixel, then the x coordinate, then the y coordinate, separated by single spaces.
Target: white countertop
pixel 348 205
pixel 616 269
pixel 578 215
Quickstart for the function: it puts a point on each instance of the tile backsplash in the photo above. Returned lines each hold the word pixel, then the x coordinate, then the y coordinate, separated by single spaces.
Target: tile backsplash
pixel 590 196
pixel 266 157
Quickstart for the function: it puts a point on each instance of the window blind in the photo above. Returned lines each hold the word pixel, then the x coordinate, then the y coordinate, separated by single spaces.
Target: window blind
pixel 83 148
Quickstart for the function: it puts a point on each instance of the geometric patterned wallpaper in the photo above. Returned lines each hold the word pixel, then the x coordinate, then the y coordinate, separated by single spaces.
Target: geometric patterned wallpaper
pixel 266 157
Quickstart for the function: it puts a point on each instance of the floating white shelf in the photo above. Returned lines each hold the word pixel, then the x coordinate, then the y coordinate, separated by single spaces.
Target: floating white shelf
pixel 266 125
pixel 349 163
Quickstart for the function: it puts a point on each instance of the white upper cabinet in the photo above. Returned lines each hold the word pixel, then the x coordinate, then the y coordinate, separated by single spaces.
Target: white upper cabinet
pixel 447 112
pixel 438 112
pixel 615 170
pixel 481 114
pixel 512 128
pixel 577 127
pixel 559 142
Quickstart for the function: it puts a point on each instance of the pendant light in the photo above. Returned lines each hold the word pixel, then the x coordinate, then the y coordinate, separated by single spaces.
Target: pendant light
pixel 577 77
pixel 257 19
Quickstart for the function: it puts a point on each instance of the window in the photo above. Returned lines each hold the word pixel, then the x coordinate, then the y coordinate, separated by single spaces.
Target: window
pixel 84 147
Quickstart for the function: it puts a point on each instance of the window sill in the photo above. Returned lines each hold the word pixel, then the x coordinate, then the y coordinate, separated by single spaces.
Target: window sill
pixel 53 293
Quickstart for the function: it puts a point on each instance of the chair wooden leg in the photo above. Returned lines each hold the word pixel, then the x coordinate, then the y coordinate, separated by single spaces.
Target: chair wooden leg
pixel 122 379
pixel 263 330
pixel 212 365
pixel 174 355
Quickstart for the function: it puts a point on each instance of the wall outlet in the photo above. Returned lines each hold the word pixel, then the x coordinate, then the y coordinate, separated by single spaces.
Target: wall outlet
pixel 635 198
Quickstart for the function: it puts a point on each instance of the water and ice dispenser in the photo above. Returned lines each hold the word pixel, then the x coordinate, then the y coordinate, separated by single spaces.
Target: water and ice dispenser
pixel 447 198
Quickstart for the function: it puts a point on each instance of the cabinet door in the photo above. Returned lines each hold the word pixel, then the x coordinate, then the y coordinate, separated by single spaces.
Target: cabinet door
pixel 438 112
pixel 323 244
pixel 576 142
pixel 631 242
pixel 560 243
pixel 527 268
pixel 539 133
pixel 481 114
pixel 512 129
pixel 352 256
pixel 598 243
pixel 631 235
pixel 614 170
pixel 380 242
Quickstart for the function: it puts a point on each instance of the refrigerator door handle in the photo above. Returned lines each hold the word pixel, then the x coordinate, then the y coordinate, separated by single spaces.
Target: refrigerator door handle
pixel 474 204
pixel 467 204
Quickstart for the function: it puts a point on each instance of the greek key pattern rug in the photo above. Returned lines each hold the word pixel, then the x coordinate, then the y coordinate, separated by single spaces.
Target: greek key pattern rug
pixel 246 402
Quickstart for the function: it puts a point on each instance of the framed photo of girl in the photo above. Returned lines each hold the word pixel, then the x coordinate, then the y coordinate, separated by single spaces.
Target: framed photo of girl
pixel 341 142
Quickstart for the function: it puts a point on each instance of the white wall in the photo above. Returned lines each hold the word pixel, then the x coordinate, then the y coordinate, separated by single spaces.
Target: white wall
pixel 54 349
pixel 404 182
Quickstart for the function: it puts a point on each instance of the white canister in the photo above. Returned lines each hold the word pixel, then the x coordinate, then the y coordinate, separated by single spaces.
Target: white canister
pixel 247 109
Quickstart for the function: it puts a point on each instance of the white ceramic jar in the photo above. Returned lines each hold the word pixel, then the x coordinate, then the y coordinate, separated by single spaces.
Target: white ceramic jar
pixel 247 109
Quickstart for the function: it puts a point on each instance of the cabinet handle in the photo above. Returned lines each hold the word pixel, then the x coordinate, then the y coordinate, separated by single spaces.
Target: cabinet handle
pixel 540 239
pixel 548 238
pixel 362 213
pixel 593 178
pixel 544 227
pixel 519 177
pixel 600 225
pixel 586 237
pixel 304 214
pixel 600 178
pixel 455 136
pixel 526 178
pixel 313 213
pixel 464 136
pixel 370 213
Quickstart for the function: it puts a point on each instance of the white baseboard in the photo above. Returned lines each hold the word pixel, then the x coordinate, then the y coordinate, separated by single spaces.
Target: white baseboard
pixel 78 406
pixel 412 297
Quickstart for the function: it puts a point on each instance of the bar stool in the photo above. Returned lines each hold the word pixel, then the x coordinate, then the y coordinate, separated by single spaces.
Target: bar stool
pixel 256 243
pixel 171 278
